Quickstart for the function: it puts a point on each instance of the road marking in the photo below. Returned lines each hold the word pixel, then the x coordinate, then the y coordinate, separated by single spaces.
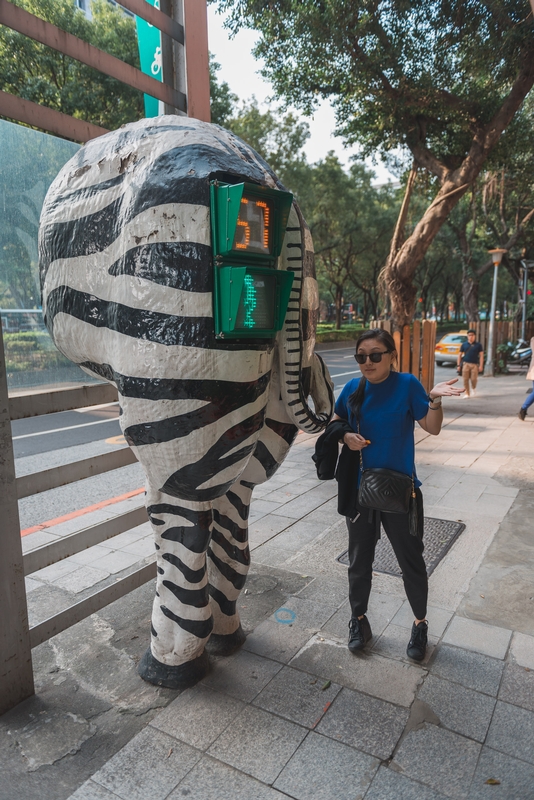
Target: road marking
pixel 80 513
pixel 116 440
pixel 350 372
pixel 69 428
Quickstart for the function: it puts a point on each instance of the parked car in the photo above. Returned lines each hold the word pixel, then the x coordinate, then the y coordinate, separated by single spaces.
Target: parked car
pixel 448 347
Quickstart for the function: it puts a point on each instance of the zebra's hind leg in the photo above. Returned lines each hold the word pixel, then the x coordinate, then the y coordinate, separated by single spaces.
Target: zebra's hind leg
pixel 181 614
pixel 228 563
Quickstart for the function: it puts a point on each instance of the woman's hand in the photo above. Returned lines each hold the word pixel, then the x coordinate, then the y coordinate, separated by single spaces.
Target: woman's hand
pixel 446 389
pixel 355 442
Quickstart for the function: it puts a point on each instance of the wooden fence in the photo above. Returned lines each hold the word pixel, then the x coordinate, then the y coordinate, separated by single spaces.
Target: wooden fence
pixel 504 332
pixel 415 346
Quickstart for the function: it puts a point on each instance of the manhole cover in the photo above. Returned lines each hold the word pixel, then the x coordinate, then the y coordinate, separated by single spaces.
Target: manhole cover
pixel 440 534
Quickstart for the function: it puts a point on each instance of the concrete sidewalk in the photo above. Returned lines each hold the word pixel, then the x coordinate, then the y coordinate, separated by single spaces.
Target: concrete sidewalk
pixel 294 713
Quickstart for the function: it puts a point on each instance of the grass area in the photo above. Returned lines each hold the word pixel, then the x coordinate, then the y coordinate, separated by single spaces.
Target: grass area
pixel 326 332
pixel 31 350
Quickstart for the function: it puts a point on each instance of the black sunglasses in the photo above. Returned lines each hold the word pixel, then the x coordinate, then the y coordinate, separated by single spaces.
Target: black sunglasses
pixel 361 358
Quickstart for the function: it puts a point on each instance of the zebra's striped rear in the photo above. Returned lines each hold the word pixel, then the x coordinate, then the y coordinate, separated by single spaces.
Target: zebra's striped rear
pixel 127 279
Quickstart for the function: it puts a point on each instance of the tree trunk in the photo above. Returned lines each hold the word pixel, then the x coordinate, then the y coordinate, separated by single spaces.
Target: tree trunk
pixel 470 288
pixel 338 299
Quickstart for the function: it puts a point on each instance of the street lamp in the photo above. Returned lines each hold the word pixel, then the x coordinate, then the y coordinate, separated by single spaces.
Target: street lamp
pixel 489 369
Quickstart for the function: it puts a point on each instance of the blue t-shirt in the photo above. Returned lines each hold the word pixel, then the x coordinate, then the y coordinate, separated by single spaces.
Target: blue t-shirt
pixel 387 419
pixel 471 352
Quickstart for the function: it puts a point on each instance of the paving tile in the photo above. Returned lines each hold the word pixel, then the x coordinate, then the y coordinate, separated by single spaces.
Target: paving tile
pixel 150 765
pixel 115 561
pixel 366 723
pixel 270 555
pixel 265 528
pixel 32 584
pixel 305 614
pixel 92 791
pixel 82 578
pixel 198 716
pixel 243 675
pixel 443 760
pixel 211 780
pixel 512 731
pixel 258 744
pixel 297 697
pixel 382 609
pixel 390 785
pixel 516 778
pixel 54 571
pixel 461 710
pixel 275 641
pixel 325 589
pixel 322 769
pixel 90 554
pixel 142 548
pixel 517 686
pixel 380 677
pixel 472 670
pixel 438 618
pixel 38 539
pixel 522 649
pixel 394 641
pixel 473 635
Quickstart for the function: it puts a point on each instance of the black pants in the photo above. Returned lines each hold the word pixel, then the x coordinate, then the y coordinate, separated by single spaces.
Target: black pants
pixel 363 535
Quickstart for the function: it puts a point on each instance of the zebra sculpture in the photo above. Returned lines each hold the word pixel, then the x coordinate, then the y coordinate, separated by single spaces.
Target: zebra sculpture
pixel 126 268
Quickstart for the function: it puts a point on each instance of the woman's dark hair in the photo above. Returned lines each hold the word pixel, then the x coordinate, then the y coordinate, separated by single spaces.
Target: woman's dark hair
pixel 356 398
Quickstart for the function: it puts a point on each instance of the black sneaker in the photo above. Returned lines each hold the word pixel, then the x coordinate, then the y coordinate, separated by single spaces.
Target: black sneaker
pixel 359 633
pixel 418 641
pixel 522 413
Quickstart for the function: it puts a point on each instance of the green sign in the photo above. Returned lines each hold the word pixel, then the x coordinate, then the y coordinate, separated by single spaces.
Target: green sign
pixel 149 41
pixel 248 224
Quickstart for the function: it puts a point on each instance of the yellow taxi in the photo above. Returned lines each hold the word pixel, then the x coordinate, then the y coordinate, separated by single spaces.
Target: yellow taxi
pixel 448 347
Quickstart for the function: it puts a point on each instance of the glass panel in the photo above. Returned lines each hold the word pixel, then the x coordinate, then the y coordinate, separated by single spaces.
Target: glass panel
pixel 29 162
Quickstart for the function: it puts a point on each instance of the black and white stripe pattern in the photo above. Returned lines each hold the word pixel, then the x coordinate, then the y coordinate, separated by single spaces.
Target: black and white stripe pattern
pixel 127 278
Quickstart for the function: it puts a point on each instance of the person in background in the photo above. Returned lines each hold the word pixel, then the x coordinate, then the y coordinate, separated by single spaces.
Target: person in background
pixel 471 362
pixel 530 377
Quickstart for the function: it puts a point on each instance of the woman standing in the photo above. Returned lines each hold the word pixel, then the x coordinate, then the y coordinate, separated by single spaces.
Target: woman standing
pixel 381 409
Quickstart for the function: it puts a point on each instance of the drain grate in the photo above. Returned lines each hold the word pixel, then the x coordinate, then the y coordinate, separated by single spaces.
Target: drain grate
pixel 439 536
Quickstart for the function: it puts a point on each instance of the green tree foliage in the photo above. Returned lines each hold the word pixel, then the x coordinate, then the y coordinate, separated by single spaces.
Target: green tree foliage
pixel 29 162
pixel 441 79
pixel 278 138
pixel 222 100
pixel 351 223
pixel 36 72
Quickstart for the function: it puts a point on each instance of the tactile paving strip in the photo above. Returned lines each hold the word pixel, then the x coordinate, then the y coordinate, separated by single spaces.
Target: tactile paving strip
pixel 439 536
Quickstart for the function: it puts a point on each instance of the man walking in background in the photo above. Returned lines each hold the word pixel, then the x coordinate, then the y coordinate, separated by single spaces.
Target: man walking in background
pixel 470 363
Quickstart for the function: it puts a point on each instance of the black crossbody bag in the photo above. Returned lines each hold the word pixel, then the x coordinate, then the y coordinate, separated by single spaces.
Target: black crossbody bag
pixel 384 489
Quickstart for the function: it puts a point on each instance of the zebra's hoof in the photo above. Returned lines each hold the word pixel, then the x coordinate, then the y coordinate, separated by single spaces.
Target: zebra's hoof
pixel 225 644
pixel 178 677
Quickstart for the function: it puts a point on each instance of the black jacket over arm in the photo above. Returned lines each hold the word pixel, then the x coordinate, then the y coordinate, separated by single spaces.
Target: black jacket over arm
pixel 348 464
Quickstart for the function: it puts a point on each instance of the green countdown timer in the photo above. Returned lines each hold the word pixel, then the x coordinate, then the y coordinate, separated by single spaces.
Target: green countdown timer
pixel 248 225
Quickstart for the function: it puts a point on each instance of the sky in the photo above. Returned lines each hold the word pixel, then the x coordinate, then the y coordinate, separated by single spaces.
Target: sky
pixel 241 71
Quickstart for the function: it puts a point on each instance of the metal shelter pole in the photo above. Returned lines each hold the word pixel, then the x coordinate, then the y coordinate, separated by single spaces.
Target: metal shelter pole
pixel 16 674
pixel 489 369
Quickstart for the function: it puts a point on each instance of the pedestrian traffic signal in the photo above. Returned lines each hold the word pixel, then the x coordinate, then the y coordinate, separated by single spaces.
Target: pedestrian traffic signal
pixel 248 225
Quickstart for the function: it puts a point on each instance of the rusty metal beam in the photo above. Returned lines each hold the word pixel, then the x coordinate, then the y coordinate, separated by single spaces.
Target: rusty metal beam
pixel 67 546
pixel 65 619
pixel 37 482
pixel 47 119
pixel 16 676
pixel 20 20
pixel 157 18
pixel 50 401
